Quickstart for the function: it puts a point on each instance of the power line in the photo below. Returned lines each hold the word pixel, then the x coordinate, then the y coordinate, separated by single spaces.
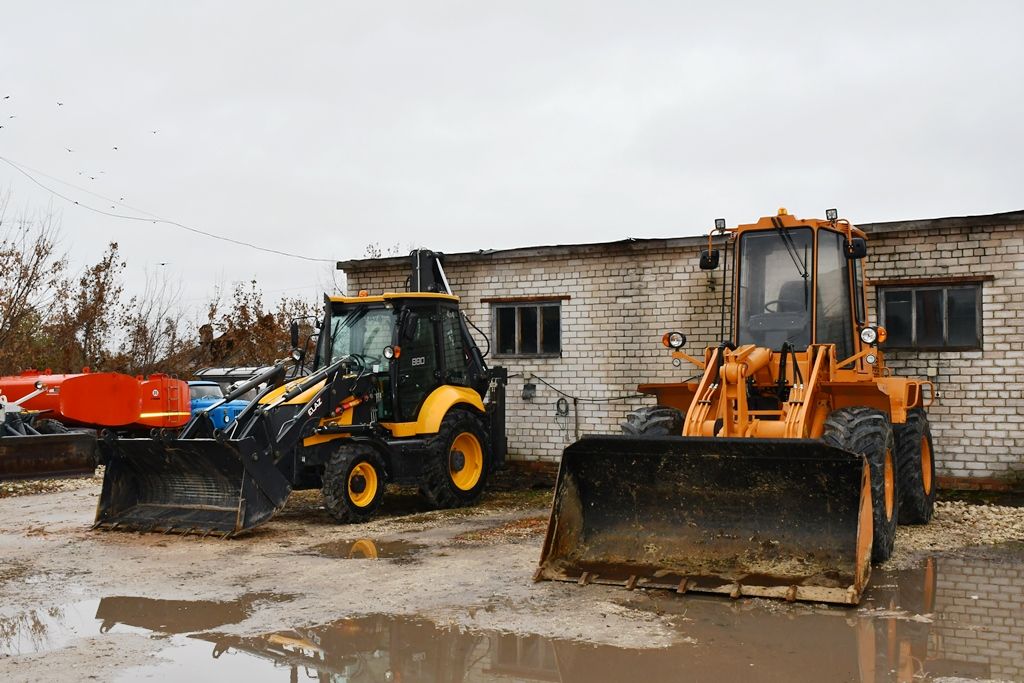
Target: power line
pixel 152 217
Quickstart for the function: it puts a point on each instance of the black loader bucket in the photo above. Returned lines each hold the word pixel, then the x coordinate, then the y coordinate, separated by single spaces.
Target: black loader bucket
pixel 774 518
pixel 51 456
pixel 189 486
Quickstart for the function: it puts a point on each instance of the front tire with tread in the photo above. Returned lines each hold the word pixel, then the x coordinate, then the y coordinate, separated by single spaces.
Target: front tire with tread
pixel 867 432
pixel 656 420
pixel 339 500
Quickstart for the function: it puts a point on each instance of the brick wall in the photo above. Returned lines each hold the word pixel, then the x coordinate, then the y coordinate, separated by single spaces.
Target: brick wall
pixel 623 296
pixel 978 417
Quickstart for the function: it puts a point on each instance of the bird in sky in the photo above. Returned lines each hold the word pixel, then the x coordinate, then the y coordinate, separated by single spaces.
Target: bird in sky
pixel 7 97
pixel 69 149
pixel 153 132
pixel 60 104
pixel 115 149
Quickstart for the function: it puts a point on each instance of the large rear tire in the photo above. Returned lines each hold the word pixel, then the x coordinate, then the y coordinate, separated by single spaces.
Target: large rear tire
pixel 656 420
pixel 458 460
pixel 353 483
pixel 866 431
pixel 915 465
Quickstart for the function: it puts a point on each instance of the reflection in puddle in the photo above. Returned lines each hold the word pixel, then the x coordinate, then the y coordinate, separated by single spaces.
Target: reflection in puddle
pixel 45 630
pixel 959 616
pixel 367 549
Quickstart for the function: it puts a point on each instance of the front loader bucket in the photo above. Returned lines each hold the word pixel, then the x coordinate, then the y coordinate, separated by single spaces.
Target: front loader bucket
pixel 759 517
pixel 48 456
pixel 188 486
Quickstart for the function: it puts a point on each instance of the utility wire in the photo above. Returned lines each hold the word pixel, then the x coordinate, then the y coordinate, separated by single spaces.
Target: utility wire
pixel 152 218
pixel 608 399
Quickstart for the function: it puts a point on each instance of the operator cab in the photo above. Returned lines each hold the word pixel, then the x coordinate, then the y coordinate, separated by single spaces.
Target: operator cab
pixel 778 281
pixel 412 342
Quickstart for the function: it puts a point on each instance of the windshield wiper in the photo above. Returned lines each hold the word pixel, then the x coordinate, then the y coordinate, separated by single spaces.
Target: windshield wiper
pixel 349 320
pixel 801 264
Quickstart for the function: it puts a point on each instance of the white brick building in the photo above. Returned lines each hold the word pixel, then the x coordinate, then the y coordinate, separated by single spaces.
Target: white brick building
pixel 587 320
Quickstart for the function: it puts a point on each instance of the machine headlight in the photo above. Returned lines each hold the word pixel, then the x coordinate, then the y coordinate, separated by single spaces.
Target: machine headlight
pixel 391 352
pixel 674 340
pixel 869 335
pixel 871 358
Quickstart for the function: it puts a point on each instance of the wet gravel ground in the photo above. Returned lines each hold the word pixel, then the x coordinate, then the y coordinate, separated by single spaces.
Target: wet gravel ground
pixel 958 524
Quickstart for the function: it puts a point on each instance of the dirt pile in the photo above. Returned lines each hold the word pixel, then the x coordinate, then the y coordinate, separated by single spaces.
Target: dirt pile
pixel 27 487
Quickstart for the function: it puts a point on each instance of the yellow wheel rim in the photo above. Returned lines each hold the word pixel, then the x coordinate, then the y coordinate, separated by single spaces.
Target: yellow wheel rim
pixel 472 461
pixel 926 465
pixel 366 472
pixel 890 485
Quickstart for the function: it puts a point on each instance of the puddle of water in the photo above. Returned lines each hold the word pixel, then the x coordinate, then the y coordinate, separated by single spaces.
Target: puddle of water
pixel 367 549
pixel 56 627
pixel 957 615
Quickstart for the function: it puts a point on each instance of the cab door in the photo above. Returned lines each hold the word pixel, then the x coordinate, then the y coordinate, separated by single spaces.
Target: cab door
pixel 417 365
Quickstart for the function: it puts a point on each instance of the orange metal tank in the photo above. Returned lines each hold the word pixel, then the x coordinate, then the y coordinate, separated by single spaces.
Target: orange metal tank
pixel 104 399
pixel 165 402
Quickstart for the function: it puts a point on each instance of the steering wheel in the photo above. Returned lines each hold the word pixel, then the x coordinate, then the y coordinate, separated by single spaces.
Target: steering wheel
pixel 359 361
pixel 774 302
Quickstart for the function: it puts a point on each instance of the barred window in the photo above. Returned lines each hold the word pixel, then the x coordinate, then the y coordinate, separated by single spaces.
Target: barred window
pixel 528 329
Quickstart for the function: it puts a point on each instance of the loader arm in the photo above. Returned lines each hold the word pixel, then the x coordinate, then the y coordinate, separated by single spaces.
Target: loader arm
pixel 224 482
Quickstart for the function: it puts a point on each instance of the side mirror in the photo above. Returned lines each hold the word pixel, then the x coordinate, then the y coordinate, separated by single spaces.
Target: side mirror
pixel 856 248
pixel 708 259
pixel 294 329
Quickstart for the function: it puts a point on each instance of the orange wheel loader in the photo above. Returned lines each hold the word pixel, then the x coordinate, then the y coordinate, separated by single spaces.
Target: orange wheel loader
pixel 783 470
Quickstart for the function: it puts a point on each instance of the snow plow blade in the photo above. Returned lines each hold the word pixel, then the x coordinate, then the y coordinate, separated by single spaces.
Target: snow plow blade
pixel 777 518
pixel 48 456
pixel 186 486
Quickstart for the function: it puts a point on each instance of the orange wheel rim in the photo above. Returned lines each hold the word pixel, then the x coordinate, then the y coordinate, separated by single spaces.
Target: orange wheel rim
pixel 890 484
pixel 926 465
pixel 472 461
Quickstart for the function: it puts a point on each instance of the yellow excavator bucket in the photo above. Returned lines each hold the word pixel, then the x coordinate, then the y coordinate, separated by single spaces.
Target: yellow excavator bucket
pixel 773 518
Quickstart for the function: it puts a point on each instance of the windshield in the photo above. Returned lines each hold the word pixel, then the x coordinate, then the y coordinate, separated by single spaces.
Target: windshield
pixel 205 391
pixel 362 331
pixel 774 303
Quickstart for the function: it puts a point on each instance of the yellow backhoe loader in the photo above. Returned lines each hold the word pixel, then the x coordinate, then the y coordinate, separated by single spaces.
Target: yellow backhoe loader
pixel 782 471
pixel 399 393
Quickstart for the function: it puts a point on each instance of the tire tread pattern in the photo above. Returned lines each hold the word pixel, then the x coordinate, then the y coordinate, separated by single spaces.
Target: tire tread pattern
pixel 659 420
pixel 916 505
pixel 335 483
pixel 437 486
pixel 867 431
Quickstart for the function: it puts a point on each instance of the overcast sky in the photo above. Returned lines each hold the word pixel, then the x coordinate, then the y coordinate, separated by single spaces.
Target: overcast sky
pixel 316 128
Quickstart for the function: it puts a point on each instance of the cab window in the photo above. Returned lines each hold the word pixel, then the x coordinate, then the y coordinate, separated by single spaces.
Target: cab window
pixel 834 324
pixel 774 305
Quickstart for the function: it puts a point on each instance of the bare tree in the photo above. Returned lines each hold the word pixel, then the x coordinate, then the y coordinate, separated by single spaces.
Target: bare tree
pixel 31 274
pixel 150 327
